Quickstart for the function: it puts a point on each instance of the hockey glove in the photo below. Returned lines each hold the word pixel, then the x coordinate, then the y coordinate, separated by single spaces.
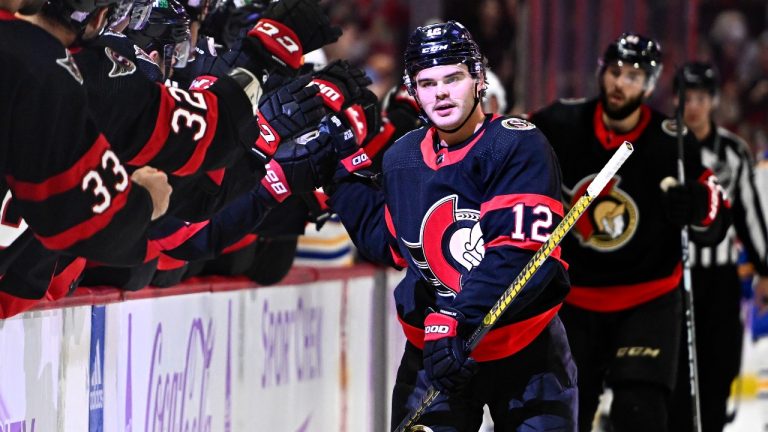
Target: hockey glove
pixel 449 369
pixel 299 166
pixel 351 158
pixel 686 204
pixel 284 113
pixel 340 84
pixel 402 110
pixel 285 32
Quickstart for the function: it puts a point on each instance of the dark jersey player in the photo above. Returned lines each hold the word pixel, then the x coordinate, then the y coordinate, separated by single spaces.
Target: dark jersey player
pixel 623 314
pixel 463 205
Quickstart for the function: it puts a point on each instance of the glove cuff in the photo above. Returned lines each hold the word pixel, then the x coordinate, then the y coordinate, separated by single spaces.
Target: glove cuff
pixel 267 142
pixel 275 183
pixel 440 325
pixel 281 42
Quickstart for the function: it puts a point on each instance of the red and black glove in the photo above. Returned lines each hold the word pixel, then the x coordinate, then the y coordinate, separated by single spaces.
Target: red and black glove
pixel 341 84
pixel 686 204
pixel 449 368
pixel 402 110
pixel 285 32
pixel 284 113
pixel 350 157
pixel 299 166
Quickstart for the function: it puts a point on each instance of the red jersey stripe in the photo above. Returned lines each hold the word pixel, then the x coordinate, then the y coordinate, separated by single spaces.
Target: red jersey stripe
pixel 87 228
pixel 179 236
pixel 243 242
pixel 621 297
pixel 211 118
pixel 527 245
pixel 498 343
pixel 62 182
pixel 159 136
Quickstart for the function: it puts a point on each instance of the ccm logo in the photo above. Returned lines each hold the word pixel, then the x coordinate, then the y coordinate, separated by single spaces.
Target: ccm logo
pixel 439 329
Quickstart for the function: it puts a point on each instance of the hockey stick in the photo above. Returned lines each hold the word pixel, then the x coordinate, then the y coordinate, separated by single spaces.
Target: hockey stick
pixel 533 265
pixel 693 370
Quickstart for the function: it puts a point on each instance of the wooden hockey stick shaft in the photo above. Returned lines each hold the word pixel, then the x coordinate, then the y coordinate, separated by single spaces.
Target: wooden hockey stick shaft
pixel 525 275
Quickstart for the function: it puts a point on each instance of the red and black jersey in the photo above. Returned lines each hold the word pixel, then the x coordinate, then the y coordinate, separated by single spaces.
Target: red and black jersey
pixel 61 179
pixel 181 132
pixel 464 220
pixel 623 251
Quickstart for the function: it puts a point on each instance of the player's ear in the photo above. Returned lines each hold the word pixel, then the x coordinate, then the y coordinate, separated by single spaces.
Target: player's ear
pixel 96 23
pixel 156 57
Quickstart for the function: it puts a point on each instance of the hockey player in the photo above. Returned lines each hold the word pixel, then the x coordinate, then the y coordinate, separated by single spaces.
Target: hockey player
pixel 623 314
pixel 716 284
pixel 464 205
pixel 76 197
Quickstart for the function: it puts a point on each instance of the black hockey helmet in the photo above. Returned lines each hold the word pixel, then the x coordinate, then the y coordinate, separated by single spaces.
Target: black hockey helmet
pixel 441 44
pixel 162 26
pixel 697 75
pixel 75 13
pixel 635 50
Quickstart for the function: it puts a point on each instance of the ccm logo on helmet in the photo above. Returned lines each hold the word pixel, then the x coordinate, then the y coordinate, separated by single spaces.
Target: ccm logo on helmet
pixel 439 329
pixel 433 49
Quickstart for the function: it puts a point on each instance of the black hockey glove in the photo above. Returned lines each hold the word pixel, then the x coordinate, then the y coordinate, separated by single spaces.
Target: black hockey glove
pixel 449 369
pixel 299 166
pixel 402 110
pixel 350 158
pixel 284 113
pixel 686 204
pixel 340 84
pixel 285 32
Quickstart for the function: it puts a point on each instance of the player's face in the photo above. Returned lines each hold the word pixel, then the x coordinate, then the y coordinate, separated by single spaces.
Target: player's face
pixel 446 93
pixel 698 107
pixel 624 85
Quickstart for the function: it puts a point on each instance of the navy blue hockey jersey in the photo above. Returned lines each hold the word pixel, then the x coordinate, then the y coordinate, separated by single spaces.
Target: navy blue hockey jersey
pixel 464 220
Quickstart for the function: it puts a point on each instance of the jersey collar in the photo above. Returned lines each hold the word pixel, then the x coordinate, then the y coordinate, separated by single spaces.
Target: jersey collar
pixel 611 140
pixel 7 15
pixel 453 154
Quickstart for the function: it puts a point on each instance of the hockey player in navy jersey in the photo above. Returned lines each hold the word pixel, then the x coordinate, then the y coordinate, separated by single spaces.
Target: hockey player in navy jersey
pixel 623 314
pixel 463 205
pixel 715 278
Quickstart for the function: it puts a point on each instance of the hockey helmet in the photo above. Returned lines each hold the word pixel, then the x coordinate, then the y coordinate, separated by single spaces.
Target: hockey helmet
pixel 76 13
pixel 635 50
pixel 446 43
pixel 162 26
pixel 119 12
pixel 697 75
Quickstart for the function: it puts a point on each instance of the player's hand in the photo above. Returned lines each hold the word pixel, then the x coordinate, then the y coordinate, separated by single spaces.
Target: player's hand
pixel 156 183
pixel 350 158
pixel 285 32
pixel 686 204
pixel 448 367
pixel 284 112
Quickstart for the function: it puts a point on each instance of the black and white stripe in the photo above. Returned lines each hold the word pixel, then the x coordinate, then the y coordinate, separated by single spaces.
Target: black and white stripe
pixel 734 167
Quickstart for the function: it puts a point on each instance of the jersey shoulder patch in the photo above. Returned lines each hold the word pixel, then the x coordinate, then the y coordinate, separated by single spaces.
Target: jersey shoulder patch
pixel 515 123
pixel 121 65
pixel 669 126
pixel 572 101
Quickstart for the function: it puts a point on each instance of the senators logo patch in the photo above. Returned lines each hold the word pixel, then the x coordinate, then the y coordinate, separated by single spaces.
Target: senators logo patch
pixel 121 66
pixel 450 245
pixel 610 222
pixel 515 123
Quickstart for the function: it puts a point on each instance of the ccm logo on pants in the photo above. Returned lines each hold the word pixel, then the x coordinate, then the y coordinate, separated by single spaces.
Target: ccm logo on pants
pixel 439 329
